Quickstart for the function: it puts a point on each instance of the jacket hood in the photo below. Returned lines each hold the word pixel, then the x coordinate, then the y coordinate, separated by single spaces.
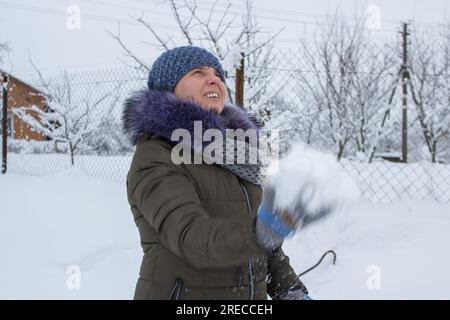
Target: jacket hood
pixel 161 112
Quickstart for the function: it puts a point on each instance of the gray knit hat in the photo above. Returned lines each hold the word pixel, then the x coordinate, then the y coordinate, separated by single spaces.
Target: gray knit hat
pixel 173 64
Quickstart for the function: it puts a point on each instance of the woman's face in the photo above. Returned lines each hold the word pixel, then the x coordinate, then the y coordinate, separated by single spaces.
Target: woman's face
pixel 204 86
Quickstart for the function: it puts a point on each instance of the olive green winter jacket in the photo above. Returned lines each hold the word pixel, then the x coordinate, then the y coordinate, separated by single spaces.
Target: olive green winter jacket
pixel 196 224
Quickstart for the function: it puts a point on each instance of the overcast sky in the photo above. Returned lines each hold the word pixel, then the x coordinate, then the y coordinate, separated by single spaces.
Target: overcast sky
pixel 39 27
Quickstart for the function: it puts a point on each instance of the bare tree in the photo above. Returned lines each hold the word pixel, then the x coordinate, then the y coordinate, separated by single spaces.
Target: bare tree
pixel 430 87
pixel 108 139
pixel 66 118
pixel 228 39
pixel 349 82
pixel 375 83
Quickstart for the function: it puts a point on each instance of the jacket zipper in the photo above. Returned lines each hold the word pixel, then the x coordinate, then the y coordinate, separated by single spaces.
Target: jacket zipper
pixel 250 267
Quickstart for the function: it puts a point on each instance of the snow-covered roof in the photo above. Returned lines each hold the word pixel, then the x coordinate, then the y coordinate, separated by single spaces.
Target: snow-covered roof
pixel 19 80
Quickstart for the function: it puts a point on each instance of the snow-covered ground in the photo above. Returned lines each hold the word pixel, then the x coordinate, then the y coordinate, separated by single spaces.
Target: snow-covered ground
pixel 53 226
pixel 388 251
pixel 48 224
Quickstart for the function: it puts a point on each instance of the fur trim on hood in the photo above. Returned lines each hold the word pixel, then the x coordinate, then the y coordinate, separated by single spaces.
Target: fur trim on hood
pixel 161 112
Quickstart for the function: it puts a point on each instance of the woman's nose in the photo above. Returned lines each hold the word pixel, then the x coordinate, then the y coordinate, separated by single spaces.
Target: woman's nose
pixel 212 79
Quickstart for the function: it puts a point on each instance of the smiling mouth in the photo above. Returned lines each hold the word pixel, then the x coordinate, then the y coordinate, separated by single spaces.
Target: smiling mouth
pixel 212 95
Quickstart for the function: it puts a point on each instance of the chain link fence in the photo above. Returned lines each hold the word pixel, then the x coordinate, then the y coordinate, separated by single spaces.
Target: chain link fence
pixel 352 105
pixel 85 124
pixel 344 98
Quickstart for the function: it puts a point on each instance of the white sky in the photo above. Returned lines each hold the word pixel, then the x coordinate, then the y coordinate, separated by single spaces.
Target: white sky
pixel 38 28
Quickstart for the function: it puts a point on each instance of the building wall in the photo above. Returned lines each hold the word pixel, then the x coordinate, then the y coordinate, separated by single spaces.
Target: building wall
pixel 22 95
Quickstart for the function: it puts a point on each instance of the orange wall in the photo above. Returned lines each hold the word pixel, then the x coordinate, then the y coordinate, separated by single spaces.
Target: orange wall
pixel 22 95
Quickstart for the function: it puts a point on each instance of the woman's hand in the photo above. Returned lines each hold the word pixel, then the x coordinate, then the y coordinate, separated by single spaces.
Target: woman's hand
pixel 274 224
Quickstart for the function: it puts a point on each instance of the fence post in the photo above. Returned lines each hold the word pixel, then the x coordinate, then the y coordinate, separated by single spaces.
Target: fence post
pixel 4 122
pixel 239 95
pixel 405 81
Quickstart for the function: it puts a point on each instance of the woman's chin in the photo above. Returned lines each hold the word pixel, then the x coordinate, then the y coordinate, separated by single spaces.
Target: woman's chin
pixel 213 107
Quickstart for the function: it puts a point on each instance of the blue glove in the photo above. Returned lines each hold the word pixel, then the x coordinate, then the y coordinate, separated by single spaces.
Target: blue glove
pixel 273 225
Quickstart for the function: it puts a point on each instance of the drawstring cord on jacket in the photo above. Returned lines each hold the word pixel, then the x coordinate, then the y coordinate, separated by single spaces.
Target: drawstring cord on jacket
pixel 250 267
pixel 319 262
pixel 175 294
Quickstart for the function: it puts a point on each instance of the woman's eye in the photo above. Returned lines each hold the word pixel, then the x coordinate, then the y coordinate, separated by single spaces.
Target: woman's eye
pixel 197 71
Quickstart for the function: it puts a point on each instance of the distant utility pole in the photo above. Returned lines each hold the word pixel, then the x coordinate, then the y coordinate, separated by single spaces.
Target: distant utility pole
pixel 4 121
pixel 405 81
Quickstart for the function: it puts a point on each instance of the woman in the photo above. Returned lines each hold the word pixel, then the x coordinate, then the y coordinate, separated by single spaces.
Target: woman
pixel 196 221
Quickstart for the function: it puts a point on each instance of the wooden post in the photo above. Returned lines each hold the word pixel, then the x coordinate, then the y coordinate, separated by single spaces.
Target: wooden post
pixel 5 122
pixel 405 80
pixel 239 95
